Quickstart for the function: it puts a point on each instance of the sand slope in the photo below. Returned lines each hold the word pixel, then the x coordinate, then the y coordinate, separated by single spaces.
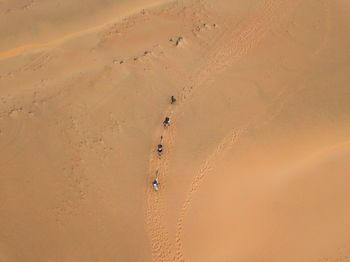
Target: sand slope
pixel 256 160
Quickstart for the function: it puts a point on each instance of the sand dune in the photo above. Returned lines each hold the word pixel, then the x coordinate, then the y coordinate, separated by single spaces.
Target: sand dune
pixel 255 164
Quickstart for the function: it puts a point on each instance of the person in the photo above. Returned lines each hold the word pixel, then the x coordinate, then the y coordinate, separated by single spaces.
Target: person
pixel 166 122
pixel 173 100
pixel 155 184
pixel 160 149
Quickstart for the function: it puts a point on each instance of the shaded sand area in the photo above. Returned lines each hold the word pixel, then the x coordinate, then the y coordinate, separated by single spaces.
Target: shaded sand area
pixel 256 161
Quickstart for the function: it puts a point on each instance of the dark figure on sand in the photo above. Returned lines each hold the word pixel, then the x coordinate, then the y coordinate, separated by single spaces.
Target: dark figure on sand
pixel 160 149
pixel 166 122
pixel 155 184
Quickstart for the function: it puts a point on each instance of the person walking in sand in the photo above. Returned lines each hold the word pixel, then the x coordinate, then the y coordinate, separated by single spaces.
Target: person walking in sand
pixel 173 100
pixel 160 147
pixel 166 122
pixel 155 182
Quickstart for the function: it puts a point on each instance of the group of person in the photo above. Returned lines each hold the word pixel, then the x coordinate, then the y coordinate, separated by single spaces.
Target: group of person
pixel 166 123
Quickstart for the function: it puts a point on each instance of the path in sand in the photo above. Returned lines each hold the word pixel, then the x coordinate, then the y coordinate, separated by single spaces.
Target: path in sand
pixel 227 47
pixel 230 46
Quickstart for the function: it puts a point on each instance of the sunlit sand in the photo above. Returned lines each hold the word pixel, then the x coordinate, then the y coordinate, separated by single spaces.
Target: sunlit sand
pixel 254 162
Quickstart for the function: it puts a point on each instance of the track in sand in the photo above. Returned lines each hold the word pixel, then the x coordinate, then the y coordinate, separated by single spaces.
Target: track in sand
pixel 230 46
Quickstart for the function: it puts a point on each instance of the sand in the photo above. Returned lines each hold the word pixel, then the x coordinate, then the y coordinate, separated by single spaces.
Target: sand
pixel 256 159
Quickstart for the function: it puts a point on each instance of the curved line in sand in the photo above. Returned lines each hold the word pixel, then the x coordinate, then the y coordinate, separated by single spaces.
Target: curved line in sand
pixel 225 145
pixel 329 151
pixel 230 47
pixel 248 38
pixel 161 247
pixel 26 48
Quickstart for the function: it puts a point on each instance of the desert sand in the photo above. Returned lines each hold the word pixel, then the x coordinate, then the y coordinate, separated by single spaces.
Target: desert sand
pixel 256 160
